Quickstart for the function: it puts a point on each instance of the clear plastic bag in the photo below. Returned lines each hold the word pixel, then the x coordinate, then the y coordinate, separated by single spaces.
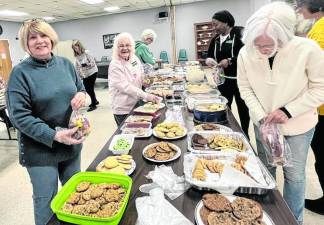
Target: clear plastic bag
pixel 77 119
pixel 278 151
pixel 218 75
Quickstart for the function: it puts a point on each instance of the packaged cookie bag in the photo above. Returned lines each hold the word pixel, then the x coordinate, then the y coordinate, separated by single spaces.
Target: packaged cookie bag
pixel 77 119
pixel 278 149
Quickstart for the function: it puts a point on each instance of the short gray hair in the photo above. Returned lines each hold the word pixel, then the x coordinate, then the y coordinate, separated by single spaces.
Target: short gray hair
pixel 148 33
pixel 276 20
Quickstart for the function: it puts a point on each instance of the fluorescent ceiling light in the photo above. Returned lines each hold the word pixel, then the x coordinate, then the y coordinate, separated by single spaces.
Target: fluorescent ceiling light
pixel 112 8
pixel 47 18
pixel 12 13
pixel 92 1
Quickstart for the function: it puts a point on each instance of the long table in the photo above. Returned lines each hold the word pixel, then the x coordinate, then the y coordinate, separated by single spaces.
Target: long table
pixel 272 202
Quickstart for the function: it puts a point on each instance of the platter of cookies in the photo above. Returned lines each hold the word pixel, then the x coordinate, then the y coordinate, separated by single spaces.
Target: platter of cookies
pixel 122 164
pixel 224 171
pixel 169 131
pixel 215 209
pixel 212 141
pixel 92 198
pixel 96 200
pixel 161 152
pixel 149 108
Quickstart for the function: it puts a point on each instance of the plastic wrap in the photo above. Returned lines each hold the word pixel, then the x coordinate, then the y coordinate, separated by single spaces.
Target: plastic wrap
pixel 231 179
pixel 278 151
pixel 156 210
pixel 77 119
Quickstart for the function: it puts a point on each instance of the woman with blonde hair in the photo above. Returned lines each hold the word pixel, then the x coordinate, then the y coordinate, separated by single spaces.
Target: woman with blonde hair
pixel 280 78
pixel 87 69
pixel 41 94
pixel 125 77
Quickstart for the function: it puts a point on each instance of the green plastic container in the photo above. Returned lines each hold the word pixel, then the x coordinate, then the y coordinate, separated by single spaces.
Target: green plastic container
pixel 93 177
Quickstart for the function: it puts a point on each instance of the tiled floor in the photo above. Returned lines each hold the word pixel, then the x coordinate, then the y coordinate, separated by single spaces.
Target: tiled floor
pixel 15 199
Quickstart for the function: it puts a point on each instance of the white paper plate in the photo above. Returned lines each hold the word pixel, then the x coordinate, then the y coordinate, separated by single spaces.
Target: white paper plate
pixel 149 133
pixel 127 172
pixel 177 155
pixel 167 138
pixel 266 218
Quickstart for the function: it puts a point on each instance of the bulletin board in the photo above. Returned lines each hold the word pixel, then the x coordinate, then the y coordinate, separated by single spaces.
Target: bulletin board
pixel 108 40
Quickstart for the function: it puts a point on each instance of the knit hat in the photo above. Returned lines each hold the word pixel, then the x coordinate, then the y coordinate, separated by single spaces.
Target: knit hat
pixel 225 17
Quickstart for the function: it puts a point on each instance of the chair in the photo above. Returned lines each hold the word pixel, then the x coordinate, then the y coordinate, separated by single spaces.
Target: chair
pixel 182 56
pixel 164 57
pixel 5 119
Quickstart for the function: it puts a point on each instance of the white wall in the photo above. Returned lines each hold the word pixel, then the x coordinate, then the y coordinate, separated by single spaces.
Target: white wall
pixel 188 14
pixel 10 32
pixel 90 31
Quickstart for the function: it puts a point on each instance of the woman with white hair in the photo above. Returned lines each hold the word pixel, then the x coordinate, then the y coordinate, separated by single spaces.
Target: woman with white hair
pixel 314 9
pixel 125 77
pixel 280 78
pixel 141 47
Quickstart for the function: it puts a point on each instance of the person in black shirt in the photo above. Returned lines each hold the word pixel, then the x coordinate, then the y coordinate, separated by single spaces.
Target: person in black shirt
pixel 222 52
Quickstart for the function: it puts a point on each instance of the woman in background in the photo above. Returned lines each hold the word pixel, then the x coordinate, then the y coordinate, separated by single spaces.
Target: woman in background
pixel 222 52
pixel 280 77
pixel 42 91
pixel 141 47
pixel 87 70
pixel 314 9
pixel 125 77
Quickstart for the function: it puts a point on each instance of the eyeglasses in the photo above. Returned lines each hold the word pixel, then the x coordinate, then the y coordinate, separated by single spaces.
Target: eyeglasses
pixel 34 20
pixel 124 46
pixel 264 46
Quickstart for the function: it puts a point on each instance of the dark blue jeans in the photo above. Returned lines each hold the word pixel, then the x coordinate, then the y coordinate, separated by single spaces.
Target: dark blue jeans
pixel 45 181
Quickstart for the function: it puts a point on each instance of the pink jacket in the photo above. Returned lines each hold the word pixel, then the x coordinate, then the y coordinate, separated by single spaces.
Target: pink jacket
pixel 125 80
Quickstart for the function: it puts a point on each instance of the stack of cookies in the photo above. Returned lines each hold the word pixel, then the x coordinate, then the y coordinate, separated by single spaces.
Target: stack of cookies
pixel 217 210
pixel 116 164
pixel 202 164
pixel 161 151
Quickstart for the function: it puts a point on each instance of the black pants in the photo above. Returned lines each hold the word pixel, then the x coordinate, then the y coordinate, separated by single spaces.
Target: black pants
pixel 229 90
pixel 318 149
pixel 89 83
pixel 120 118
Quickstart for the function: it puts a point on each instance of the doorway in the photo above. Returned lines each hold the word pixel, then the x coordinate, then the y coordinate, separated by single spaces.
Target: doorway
pixel 5 59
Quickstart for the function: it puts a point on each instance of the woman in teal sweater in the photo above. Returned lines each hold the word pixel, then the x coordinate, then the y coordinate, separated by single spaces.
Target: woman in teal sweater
pixel 42 91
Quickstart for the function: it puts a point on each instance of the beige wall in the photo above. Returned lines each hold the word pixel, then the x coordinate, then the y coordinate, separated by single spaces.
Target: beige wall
pixel 64 48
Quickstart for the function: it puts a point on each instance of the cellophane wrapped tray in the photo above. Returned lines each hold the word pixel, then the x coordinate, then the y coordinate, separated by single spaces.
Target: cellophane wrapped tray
pixel 228 172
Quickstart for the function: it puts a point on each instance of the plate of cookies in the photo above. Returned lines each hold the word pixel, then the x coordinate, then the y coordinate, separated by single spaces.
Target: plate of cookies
pixel 228 209
pixel 169 131
pixel 122 164
pixel 161 152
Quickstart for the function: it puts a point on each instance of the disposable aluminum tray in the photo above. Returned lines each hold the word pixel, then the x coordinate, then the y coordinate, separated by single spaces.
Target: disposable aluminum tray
pixel 206 134
pixel 271 183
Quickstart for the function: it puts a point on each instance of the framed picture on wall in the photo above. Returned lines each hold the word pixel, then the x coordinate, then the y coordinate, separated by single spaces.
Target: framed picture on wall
pixel 108 40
